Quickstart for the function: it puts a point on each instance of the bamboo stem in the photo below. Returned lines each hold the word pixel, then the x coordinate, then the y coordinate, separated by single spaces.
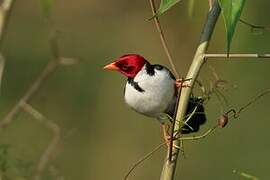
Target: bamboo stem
pixel 169 166
pixel 242 55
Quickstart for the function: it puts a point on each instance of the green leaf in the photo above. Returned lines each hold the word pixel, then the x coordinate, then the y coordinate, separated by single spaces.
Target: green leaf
pixel 231 11
pixel 164 6
pixel 46 7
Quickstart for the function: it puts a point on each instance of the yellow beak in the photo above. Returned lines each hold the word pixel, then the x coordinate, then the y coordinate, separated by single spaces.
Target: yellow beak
pixel 111 66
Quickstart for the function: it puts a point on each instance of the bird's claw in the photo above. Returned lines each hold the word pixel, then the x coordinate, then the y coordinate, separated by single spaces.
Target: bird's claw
pixel 166 136
pixel 168 141
pixel 179 83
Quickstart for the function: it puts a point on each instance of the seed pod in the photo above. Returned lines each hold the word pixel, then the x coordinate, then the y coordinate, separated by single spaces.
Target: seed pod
pixel 223 120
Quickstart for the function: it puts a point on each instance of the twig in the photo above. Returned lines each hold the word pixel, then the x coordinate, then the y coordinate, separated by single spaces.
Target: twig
pixel 235 113
pixel 173 126
pixel 200 136
pixel 254 100
pixel 47 71
pixel 210 131
pixel 208 56
pixel 170 166
pixel 245 175
pixel 2 66
pixel 162 38
pixel 204 135
pixel 167 51
pixel 51 66
pixel 142 159
pixel 5 10
pixel 254 26
pixel 47 154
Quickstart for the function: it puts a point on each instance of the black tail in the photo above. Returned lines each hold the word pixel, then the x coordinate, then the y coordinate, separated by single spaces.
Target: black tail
pixel 198 118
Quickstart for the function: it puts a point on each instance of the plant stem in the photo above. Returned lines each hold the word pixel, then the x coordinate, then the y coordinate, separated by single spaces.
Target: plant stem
pixel 51 148
pixel 51 66
pixel 162 39
pixel 242 55
pixel 45 73
pixel 5 10
pixel 169 166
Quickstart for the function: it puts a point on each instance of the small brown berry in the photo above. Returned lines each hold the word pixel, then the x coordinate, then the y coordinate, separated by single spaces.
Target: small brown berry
pixel 223 120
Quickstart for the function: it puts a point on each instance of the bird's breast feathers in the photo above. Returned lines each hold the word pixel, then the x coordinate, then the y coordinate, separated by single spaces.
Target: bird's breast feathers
pixel 156 91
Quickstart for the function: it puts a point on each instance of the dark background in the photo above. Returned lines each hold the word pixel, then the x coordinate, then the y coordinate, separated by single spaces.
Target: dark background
pixel 102 137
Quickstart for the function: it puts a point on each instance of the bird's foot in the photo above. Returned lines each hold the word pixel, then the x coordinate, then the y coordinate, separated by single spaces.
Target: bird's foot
pixel 166 135
pixel 179 83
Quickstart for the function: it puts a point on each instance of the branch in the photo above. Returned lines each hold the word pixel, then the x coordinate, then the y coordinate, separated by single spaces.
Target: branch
pixel 222 121
pixel 166 49
pixel 206 56
pixel 254 26
pixel 51 66
pixel 198 60
pixel 5 10
pixel 143 159
pixel 2 66
pixel 162 38
pixel 47 154
pixel 47 71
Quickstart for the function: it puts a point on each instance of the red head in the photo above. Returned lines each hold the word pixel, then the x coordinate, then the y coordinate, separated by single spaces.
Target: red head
pixel 129 65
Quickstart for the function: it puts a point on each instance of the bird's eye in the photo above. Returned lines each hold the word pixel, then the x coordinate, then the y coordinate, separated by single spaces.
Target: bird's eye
pixel 124 67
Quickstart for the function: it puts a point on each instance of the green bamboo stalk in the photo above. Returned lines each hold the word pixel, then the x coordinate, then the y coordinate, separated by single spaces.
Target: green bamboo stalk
pixel 169 166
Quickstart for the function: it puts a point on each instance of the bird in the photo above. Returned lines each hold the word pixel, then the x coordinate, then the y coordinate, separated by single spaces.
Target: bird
pixel 151 90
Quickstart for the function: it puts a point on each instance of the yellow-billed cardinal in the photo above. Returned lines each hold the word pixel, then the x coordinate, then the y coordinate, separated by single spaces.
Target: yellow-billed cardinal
pixel 152 90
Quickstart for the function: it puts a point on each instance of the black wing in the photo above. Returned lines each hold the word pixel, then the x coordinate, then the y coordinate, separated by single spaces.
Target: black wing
pixel 197 119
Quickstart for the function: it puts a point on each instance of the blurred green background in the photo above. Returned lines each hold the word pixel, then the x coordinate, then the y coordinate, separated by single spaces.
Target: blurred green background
pixel 101 136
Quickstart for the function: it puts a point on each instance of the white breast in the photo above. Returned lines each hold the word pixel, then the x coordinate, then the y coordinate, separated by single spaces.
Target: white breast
pixel 159 91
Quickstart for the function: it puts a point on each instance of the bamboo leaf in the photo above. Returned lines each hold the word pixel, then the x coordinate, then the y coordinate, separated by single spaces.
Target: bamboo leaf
pixel 164 6
pixel 231 11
